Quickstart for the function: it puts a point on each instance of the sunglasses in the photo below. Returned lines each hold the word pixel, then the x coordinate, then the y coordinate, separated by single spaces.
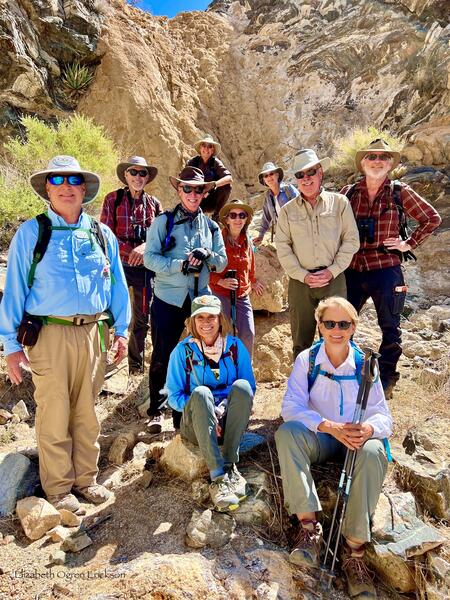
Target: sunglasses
pixel 209 146
pixel 188 189
pixel 378 156
pixel 269 174
pixel 340 324
pixel 240 215
pixel 71 179
pixel 134 172
pixel 309 172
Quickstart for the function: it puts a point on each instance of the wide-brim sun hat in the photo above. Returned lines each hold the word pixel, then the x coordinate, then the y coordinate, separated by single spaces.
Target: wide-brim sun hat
pixel 270 167
pixel 378 145
pixel 306 159
pixel 191 176
pixel 65 165
pixel 207 139
pixel 207 304
pixel 223 214
pixel 140 163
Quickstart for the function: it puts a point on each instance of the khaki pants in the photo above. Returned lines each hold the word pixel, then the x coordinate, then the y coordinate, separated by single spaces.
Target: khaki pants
pixel 68 369
pixel 298 447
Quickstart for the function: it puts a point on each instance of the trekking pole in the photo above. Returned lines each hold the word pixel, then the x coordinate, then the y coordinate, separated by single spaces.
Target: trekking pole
pixel 196 278
pixel 231 274
pixel 370 371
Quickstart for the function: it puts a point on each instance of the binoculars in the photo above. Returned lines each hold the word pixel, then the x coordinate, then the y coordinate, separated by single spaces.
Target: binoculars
pixel 366 228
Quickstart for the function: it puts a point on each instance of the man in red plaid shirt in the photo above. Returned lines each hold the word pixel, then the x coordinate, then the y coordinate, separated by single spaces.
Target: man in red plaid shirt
pixel 129 212
pixel 375 270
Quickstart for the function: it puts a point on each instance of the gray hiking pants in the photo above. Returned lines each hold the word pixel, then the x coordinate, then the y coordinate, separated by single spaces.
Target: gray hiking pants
pixel 198 424
pixel 298 447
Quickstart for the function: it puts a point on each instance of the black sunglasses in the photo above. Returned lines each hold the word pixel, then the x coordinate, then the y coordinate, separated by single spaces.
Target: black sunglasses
pixel 134 172
pixel 269 174
pixel 376 156
pixel 187 189
pixel 332 324
pixel 71 179
pixel 241 215
pixel 309 172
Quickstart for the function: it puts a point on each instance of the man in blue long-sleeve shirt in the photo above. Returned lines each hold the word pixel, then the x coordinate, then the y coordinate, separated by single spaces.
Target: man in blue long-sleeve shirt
pixel 73 287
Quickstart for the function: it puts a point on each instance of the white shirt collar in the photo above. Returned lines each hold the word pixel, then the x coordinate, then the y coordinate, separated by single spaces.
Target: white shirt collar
pixel 322 358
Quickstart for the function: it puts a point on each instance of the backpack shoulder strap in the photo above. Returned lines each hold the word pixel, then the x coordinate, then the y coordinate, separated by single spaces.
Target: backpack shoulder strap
pixel 96 230
pixel 313 369
pixel 359 361
pixel 351 192
pixel 117 202
pixel 289 193
pixel 170 221
pixel 44 235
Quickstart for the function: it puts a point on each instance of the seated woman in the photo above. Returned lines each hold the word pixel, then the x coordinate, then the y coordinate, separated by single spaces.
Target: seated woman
pixel 210 380
pixel 236 217
pixel 318 427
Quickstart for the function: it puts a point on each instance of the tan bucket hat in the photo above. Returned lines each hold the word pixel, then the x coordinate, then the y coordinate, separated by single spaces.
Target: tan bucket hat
pixel 306 159
pixel 378 145
pixel 235 204
pixel 191 176
pixel 208 304
pixel 140 163
pixel 207 139
pixel 268 167
pixel 65 164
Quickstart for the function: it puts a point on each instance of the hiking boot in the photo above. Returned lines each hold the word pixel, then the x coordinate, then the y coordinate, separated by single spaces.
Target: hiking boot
pixel 223 495
pixel 154 424
pixel 64 501
pixel 95 493
pixel 307 546
pixel 238 483
pixel 359 576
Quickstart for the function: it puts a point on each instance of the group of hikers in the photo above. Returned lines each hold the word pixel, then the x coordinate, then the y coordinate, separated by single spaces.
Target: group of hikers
pixel 71 279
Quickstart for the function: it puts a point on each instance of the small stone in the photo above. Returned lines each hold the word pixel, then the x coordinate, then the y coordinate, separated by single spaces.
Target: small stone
pixel 146 479
pixel 69 519
pixel 7 539
pixel 162 528
pixel 37 516
pixel 121 447
pixel 58 534
pixel 21 411
pixel 57 558
pixel 140 451
pixel 200 491
pixel 208 528
pixel 77 542
pixel 5 416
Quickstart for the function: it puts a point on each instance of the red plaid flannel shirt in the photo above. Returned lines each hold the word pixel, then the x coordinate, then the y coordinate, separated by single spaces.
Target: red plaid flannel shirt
pixel 129 213
pixel 385 214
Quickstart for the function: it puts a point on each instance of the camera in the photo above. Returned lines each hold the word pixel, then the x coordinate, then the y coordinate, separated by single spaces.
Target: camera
pixel 230 274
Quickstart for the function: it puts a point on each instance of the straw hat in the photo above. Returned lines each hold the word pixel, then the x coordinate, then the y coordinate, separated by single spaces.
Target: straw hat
pixel 306 159
pixel 207 139
pixel 140 163
pixel 68 165
pixel 269 167
pixel 191 176
pixel 378 145
pixel 223 214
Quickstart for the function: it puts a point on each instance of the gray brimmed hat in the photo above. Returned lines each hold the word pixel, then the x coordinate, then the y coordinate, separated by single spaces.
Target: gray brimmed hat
pixel 209 305
pixel 378 145
pixel 67 165
pixel 191 176
pixel 223 214
pixel 140 163
pixel 306 159
pixel 269 167
pixel 207 139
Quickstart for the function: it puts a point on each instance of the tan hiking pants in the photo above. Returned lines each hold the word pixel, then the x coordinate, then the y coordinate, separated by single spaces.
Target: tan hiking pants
pixel 68 369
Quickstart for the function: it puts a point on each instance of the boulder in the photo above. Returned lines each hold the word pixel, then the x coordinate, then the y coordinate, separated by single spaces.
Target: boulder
pixel 272 356
pixel 424 465
pixel 121 448
pixel 257 509
pixel 438 580
pixel 19 478
pixel 37 516
pixel 209 528
pixel 57 558
pixel 269 271
pixel 76 542
pixel 5 416
pixel 21 410
pixel 69 519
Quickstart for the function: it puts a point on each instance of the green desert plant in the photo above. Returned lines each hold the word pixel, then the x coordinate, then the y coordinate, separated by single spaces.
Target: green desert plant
pixel 76 79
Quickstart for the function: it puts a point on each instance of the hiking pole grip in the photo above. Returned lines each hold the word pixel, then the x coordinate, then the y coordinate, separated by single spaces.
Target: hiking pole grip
pixel 196 278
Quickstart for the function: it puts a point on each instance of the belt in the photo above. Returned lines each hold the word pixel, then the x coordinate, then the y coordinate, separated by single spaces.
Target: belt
pixel 316 269
pixel 79 320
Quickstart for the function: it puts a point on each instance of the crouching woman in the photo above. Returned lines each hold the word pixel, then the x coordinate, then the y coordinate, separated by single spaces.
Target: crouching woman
pixel 210 380
pixel 318 409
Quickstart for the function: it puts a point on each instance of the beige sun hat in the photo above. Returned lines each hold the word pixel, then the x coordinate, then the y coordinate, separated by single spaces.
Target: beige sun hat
pixel 378 145
pixel 223 214
pixel 207 304
pixel 306 159
pixel 268 167
pixel 140 163
pixel 207 139
pixel 68 165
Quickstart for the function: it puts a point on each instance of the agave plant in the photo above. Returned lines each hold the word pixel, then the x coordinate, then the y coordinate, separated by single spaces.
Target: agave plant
pixel 76 79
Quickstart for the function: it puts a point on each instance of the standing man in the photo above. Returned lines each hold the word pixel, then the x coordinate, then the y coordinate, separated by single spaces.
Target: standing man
pixel 213 170
pixel 57 306
pixel 129 212
pixel 380 206
pixel 316 238
pixel 183 246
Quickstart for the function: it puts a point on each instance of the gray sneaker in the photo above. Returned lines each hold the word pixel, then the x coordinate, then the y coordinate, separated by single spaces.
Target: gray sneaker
pixel 223 495
pixel 238 483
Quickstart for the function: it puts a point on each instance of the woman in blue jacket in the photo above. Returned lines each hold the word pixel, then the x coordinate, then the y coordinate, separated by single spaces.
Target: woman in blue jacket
pixel 210 380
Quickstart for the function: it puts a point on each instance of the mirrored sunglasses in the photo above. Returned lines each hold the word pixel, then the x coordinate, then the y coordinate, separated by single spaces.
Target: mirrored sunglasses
pixel 141 172
pixel 71 179
pixel 239 215
pixel 332 324
pixel 309 172
pixel 378 156
pixel 188 189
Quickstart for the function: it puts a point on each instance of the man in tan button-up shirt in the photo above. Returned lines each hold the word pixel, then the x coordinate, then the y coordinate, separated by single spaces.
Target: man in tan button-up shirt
pixel 316 238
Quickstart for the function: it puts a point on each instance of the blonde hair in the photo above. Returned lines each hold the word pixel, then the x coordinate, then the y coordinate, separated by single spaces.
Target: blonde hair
pixel 225 327
pixel 336 301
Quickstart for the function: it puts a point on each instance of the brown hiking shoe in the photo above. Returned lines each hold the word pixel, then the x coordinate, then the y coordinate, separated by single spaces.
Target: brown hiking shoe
pixel 64 501
pixel 307 546
pixel 359 576
pixel 95 493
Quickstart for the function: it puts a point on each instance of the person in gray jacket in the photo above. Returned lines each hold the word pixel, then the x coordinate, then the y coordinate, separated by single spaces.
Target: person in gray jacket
pixel 182 247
